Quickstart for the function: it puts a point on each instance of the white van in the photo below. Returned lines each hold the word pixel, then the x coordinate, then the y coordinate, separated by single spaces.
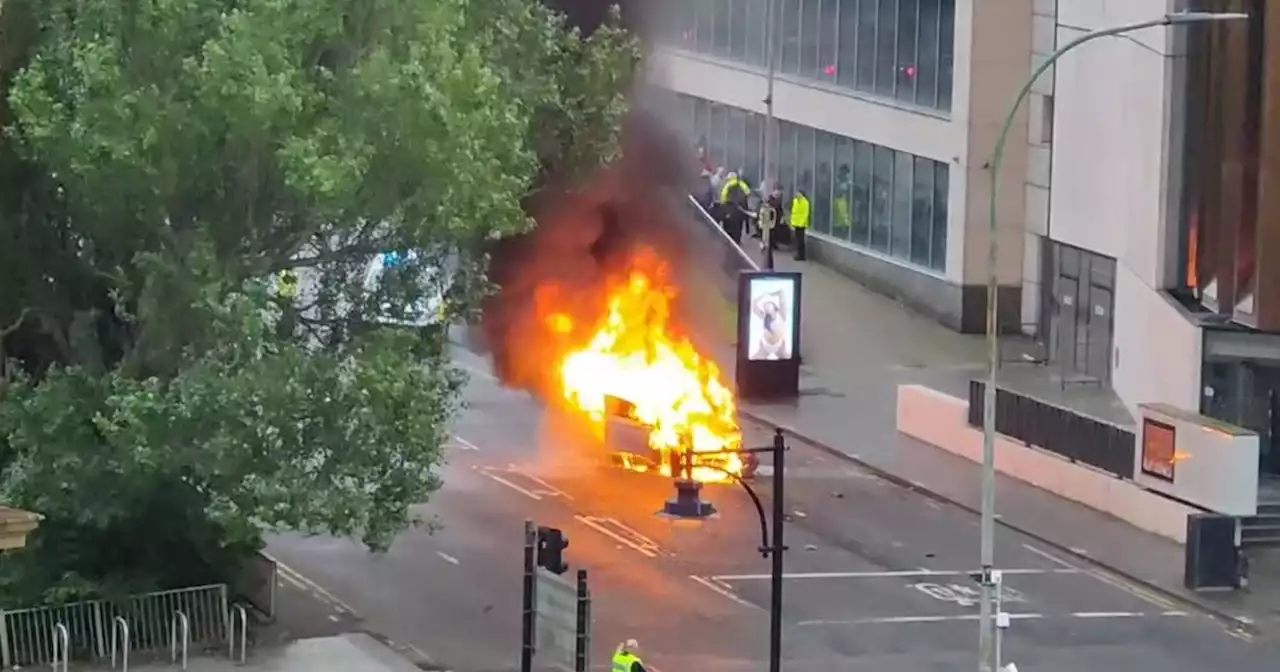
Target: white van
pixel 426 312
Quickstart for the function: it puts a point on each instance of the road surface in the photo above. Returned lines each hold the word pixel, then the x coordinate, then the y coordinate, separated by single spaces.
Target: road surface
pixel 877 576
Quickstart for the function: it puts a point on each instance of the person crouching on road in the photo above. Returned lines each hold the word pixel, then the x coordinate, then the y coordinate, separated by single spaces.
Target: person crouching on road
pixel 625 658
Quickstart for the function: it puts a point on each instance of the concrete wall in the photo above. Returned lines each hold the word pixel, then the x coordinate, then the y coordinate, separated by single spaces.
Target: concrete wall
pixel 1114 193
pixel 941 420
pixel 1156 350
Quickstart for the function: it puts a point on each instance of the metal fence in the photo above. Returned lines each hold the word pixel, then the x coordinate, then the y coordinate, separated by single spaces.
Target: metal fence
pixel 27 635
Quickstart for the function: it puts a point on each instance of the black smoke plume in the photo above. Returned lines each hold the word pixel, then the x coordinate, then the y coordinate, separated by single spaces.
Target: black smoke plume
pixel 587 233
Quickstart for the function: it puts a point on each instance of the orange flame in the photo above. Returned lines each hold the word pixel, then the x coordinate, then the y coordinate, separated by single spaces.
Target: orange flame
pixel 634 356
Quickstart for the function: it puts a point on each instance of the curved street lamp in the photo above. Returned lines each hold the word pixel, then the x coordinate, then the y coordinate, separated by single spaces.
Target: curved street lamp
pixel 689 505
pixel 988 651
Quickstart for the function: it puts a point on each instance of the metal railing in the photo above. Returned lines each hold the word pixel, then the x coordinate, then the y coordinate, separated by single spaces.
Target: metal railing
pixel 24 633
pixel 61 647
pixel 179 637
pixel 120 631
pixel 237 615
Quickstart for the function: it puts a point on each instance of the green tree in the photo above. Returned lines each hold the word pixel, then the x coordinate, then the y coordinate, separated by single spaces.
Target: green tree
pixel 160 402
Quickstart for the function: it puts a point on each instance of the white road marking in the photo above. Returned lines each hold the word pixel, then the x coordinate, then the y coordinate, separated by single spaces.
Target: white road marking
pixel 915 619
pixel 965 595
pixel 721 590
pixel 1107 614
pixel 548 489
pixel 295 577
pixel 465 444
pixel 896 574
pixel 639 543
pixel 1105 577
pixel 509 484
pixel 973 617
pixel 447 558
pixel 1049 556
pixel 293 580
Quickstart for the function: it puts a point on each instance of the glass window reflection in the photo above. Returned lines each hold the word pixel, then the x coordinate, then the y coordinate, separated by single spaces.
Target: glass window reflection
pixel 946 48
pixel 754 13
pixel 921 212
pixel 862 170
pixel 790 21
pixel 938 251
pixel 908 17
pixel 866 79
pixel 886 47
pixel 928 50
pixel 881 198
pixel 847 39
pixel 900 236
pixel 824 145
pixel 901 49
pixel 810 29
pixel 841 189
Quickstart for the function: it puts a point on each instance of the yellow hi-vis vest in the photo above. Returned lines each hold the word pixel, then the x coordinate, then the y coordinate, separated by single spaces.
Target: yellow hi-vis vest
pixel 729 186
pixel 799 212
pixel 622 661
pixel 287 285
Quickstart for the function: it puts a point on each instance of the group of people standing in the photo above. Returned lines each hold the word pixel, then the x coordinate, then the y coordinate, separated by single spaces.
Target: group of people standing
pixel 730 199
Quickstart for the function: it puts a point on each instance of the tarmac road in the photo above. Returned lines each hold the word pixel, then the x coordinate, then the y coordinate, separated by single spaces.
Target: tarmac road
pixel 877 576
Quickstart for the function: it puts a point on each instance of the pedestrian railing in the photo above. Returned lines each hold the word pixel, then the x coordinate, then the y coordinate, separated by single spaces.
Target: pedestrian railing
pixel 120 642
pixel 237 617
pixel 92 626
pixel 61 647
pixel 179 638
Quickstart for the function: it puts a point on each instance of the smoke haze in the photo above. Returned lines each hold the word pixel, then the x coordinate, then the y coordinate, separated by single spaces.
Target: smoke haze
pixel 583 236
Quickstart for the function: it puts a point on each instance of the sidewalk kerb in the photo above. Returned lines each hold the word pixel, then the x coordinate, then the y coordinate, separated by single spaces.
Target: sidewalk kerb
pixel 922 489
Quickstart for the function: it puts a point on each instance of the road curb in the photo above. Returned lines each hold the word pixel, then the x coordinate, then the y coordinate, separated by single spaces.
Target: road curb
pixel 1238 622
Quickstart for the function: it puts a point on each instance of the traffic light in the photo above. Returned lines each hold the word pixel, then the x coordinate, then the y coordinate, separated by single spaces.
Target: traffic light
pixel 551 545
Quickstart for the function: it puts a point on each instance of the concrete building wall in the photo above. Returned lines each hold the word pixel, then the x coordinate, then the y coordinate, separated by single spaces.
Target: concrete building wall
pixel 1113 143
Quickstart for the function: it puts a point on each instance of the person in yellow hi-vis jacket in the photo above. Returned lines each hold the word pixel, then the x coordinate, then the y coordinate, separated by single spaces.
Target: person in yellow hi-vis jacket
pixel 287 296
pixel 625 658
pixel 799 221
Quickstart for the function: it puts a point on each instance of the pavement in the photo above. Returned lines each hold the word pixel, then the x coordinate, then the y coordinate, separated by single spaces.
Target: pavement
pixel 337 653
pixel 877 574
pixel 859 346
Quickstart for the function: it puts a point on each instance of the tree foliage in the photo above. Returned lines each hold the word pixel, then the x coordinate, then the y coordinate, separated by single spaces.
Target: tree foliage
pixel 162 161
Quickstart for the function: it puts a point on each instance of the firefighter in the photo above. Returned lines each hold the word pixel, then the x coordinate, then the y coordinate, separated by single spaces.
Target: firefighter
pixel 799 221
pixel 625 658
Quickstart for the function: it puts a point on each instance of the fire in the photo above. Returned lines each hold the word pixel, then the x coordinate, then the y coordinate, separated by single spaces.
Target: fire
pixel 634 355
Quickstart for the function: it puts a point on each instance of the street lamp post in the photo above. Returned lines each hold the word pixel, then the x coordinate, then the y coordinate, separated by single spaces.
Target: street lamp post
pixel 688 505
pixel 989 656
pixel 766 183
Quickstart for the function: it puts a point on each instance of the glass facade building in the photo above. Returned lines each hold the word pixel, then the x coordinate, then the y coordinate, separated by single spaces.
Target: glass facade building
pixel 900 50
pixel 871 197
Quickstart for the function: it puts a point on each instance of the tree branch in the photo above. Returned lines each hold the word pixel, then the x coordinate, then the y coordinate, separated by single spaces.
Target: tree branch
pixel 16 323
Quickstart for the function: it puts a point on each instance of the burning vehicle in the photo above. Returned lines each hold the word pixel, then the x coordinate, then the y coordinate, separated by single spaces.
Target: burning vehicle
pixel 649 394
pixel 627 440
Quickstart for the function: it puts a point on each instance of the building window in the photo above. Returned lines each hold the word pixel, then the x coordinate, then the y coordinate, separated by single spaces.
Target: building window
pixel 861 194
pixel 897 49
